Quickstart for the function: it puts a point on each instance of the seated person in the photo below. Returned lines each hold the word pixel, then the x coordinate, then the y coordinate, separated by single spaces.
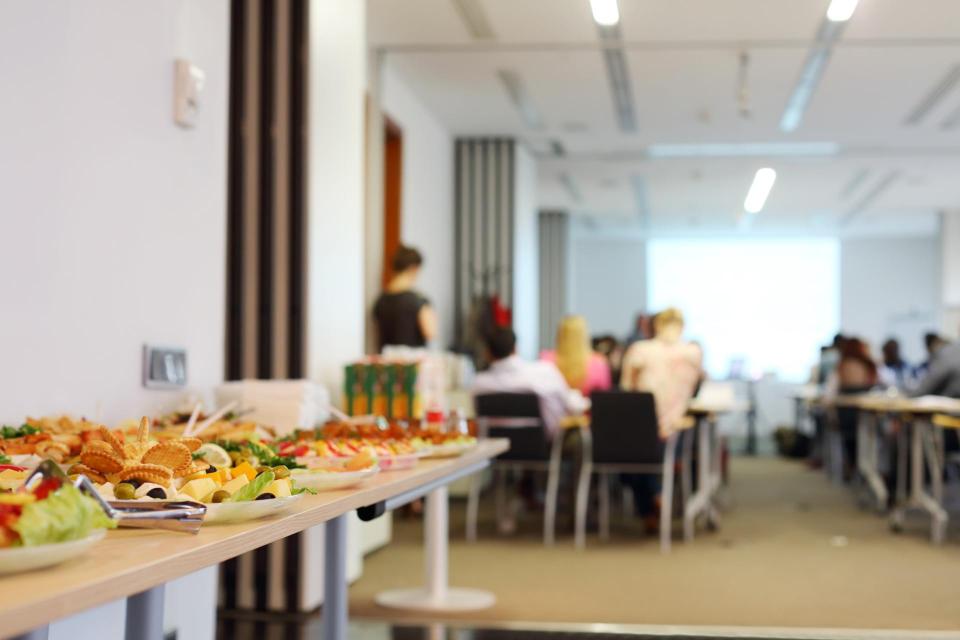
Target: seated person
pixel 582 367
pixel 943 373
pixel 509 373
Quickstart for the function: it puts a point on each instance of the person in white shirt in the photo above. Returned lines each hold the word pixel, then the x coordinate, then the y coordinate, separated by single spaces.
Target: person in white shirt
pixel 509 373
pixel 666 366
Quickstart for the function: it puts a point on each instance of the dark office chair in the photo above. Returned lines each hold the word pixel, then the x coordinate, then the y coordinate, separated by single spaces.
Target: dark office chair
pixel 516 417
pixel 625 439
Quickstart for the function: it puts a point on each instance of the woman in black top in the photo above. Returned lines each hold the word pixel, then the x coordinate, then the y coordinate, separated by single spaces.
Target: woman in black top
pixel 404 317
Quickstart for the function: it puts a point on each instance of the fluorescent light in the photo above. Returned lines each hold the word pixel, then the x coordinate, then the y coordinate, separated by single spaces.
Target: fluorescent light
pixel 841 10
pixel 744 149
pixel 606 13
pixel 759 190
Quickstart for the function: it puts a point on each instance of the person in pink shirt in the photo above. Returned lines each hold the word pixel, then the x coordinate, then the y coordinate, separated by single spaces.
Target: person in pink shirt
pixel 583 368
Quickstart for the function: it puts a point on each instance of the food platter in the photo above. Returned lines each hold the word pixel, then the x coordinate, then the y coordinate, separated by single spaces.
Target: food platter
pixel 229 512
pixel 19 559
pixel 330 480
pixel 450 449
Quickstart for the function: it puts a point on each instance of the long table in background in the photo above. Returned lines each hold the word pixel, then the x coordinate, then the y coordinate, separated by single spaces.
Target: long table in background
pixel 136 563
pixel 925 451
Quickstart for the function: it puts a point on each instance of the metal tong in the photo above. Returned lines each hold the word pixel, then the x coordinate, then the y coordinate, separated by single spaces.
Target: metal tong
pixel 172 515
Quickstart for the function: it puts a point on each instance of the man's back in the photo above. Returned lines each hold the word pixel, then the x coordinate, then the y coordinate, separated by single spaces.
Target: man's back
pixel 943 378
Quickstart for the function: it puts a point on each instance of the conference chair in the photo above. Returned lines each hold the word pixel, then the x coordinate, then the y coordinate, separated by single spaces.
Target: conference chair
pixel 516 417
pixel 624 438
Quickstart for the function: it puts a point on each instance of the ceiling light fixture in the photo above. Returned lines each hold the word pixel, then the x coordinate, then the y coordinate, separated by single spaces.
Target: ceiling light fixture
pixel 759 190
pixel 517 92
pixel 841 10
pixel 606 13
pixel 810 75
pixel 744 150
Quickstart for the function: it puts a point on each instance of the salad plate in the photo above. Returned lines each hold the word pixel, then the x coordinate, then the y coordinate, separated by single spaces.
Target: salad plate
pixel 228 512
pixel 18 559
pixel 330 479
pixel 450 449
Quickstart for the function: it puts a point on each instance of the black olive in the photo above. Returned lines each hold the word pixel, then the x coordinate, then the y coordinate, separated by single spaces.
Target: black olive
pixel 266 496
pixel 211 469
pixel 136 483
pixel 157 492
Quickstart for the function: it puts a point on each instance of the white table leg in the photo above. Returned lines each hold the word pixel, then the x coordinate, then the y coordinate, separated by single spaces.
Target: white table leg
pixel 919 498
pixel 702 499
pixel 145 615
pixel 867 445
pixel 334 613
pixel 436 595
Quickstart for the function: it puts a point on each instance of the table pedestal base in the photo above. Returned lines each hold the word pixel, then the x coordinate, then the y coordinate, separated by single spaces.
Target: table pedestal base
pixel 422 600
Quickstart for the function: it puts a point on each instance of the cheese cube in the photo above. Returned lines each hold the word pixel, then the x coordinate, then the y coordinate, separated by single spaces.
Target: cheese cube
pixel 236 484
pixel 199 488
pixel 279 488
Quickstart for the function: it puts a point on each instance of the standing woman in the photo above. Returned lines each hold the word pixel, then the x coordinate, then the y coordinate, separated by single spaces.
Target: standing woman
pixel 583 368
pixel 404 317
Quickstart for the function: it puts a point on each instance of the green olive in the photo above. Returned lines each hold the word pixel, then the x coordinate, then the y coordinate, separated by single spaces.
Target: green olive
pixel 280 472
pixel 263 470
pixel 220 496
pixel 124 491
pixel 235 456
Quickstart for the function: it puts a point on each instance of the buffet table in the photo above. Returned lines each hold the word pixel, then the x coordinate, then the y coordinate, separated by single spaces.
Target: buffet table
pixel 135 564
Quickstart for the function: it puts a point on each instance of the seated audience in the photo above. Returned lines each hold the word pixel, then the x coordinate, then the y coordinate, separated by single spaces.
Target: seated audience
pixel 934 344
pixel 856 373
pixel 670 369
pixel 943 374
pixel 895 371
pixel 509 373
pixel 581 366
pixel 666 366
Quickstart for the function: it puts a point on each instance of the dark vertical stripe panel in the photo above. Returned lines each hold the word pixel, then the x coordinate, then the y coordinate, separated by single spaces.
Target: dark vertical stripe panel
pixel 266 213
pixel 297 186
pixel 235 154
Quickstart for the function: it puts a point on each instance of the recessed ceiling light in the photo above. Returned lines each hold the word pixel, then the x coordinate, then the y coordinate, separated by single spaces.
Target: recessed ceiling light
pixel 743 149
pixel 759 190
pixel 841 10
pixel 606 13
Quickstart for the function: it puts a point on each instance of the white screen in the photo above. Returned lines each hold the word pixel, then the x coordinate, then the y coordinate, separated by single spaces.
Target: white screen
pixel 769 303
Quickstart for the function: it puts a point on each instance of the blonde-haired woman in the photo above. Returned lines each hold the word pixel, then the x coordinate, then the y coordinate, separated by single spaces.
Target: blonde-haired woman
pixel 666 366
pixel 583 368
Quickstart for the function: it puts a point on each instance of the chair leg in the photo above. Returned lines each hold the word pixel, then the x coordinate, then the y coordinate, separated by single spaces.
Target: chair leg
pixel 686 467
pixel 553 488
pixel 500 494
pixel 583 491
pixel 473 506
pixel 666 495
pixel 626 497
pixel 604 489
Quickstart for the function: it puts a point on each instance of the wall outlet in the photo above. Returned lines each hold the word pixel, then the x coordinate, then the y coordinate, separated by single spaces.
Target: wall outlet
pixel 187 86
pixel 164 367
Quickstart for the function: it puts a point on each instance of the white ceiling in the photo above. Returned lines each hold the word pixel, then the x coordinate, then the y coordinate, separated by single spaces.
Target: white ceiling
pixel 683 61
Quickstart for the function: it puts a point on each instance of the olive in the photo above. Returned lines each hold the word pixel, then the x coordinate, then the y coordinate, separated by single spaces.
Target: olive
pixel 266 496
pixel 133 482
pixel 263 470
pixel 281 472
pixel 220 496
pixel 158 493
pixel 235 456
pixel 124 491
pixel 211 469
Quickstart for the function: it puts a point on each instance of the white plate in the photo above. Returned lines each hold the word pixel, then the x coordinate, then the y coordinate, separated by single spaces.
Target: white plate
pixel 17 559
pixel 320 480
pixel 398 463
pixel 450 449
pixel 224 512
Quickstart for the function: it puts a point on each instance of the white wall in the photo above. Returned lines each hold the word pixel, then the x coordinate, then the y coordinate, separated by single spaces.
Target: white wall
pixel 336 316
pixel 608 280
pixel 526 249
pixel 112 230
pixel 890 287
pixel 427 195
pixel 113 218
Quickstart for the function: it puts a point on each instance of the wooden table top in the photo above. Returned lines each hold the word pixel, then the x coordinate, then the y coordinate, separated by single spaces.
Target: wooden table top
pixel 897 404
pixel 129 561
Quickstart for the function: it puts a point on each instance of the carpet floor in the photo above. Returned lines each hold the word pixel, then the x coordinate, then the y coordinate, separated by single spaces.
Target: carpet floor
pixel 793 551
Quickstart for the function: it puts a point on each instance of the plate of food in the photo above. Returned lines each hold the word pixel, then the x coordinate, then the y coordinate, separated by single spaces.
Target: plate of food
pixel 336 473
pixel 49 524
pixel 452 448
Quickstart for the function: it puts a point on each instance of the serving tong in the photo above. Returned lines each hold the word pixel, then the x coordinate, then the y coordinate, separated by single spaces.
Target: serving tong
pixel 173 515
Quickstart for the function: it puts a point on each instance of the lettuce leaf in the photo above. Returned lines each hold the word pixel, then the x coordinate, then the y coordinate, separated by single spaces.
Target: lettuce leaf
pixel 65 515
pixel 295 491
pixel 249 491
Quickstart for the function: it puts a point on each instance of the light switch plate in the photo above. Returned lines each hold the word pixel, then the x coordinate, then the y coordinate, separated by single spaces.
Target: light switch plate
pixel 164 367
pixel 187 86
